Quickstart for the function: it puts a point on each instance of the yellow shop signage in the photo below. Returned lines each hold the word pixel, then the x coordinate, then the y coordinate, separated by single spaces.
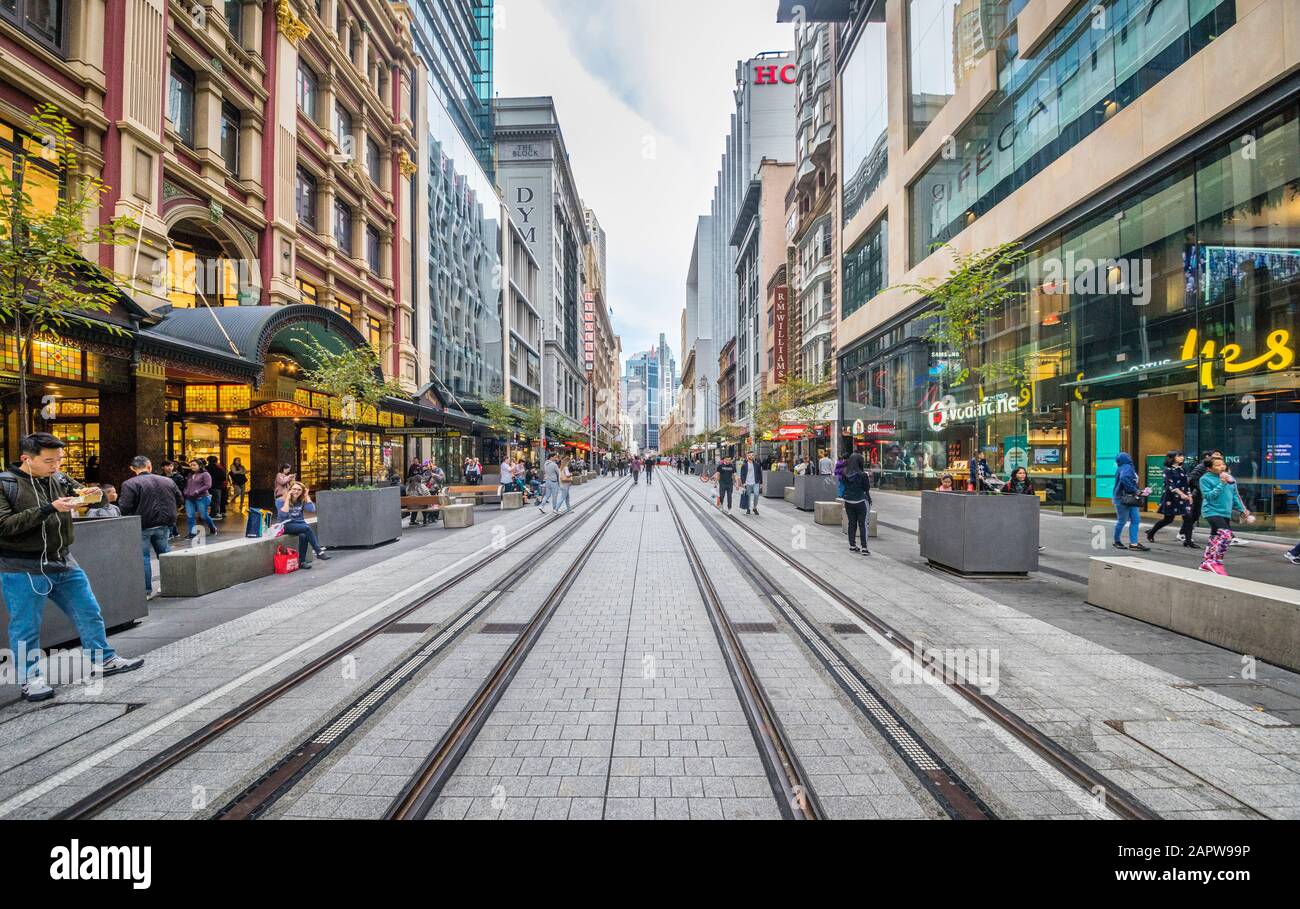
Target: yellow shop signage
pixel 1277 357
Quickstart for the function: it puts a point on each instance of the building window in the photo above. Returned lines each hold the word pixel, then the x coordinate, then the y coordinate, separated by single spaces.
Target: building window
pixel 230 138
pixel 235 20
pixel 33 167
pixel 372 251
pixel 354 43
pixel 307 292
pixel 345 309
pixel 375 332
pixel 865 268
pixel 41 19
pixel 343 226
pixel 374 162
pixel 307 88
pixel 180 101
pixel 866 119
pixel 343 129
pixel 306 200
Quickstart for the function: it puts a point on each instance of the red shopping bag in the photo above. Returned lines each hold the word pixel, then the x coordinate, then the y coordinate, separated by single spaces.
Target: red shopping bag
pixel 286 561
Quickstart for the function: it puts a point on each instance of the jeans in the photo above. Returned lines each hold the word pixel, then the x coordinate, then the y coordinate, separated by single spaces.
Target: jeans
pixel 306 537
pixel 751 489
pixel 724 495
pixel 857 513
pixel 154 539
pixel 1131 515
pixel 199 507
pixel 562 497
pixel 240 497
pixel 25 594
pixel 550 493
pixel 1296 552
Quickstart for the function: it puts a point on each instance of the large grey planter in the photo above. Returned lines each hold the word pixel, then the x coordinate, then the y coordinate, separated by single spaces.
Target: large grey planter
pixel 808 491
pixel 359 519
pixel 776 482
pixel 980 535
pixel 108 550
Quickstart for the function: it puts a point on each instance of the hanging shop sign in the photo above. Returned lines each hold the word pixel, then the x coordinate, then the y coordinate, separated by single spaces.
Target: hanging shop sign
pixel 284 410
pixel 589 331
pixel 949 410
pixel 781 318
pixel 1277 358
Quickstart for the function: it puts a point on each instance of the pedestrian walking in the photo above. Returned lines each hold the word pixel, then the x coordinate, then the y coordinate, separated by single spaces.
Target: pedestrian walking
pixel 1293 556
pixel 1128 503
pixel 198 499
pixel 1177 499
pixel 239 485
pixel 826 466
pixel 218 474
pixel 1219 496
pixel 550 483
pixel 726 480
pixel 36 563
pixel 751 475
pixel 566 486
pixel 649 467
pixel 1194 481
pixel 473 472
pixel 155 500
pixel 636 471
pixel 857 502
pixel 292 511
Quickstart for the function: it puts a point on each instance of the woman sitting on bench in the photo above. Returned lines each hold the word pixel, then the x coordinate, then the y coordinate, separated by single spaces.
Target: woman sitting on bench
pixel 292 511
pixel 415 489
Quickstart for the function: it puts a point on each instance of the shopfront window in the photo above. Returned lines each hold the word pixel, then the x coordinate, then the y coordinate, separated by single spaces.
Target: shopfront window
pixel 33 167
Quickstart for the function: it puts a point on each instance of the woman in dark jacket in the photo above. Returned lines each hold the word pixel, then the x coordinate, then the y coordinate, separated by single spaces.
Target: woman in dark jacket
pixel 1177 500
pixel 857 501
pixel 1019 484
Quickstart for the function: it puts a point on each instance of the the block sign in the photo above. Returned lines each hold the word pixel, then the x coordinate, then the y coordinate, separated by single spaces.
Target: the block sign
pixel 782 326
pixel 589 330
pixel 773 74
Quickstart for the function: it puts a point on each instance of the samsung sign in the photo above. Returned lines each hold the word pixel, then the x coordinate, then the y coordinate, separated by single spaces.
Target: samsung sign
pixel 946 411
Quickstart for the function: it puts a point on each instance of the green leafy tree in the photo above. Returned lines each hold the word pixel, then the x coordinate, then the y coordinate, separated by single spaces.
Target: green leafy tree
pixel 354 377
pixel 45 282
pixel 796 398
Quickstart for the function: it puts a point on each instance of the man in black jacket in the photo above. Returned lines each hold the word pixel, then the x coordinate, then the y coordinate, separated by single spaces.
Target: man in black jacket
pixel 155 500
pixel 751 477
pixel 36 563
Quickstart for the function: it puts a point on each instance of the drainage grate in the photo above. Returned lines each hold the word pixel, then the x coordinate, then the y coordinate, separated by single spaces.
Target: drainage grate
pixel 644 508
pixel 408 629
pixel 846 629
pixel 754 628
pixel 503 629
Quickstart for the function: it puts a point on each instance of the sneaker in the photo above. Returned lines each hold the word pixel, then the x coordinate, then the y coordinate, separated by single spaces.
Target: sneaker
pixel 1292 558
pixel 866 552
pixel 323 556
pixel 304 566
pixel 1238 541
pixel 151 595
pixel 1138 547
pixel 1214 568
pixel 37 689
pixel 119 665
pixel 1119 545
pixel 855 549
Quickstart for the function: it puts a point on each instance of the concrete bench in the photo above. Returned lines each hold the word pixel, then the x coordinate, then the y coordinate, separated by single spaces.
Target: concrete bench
pixel 458 517
pixel 201 570
pixel 512 501
pixel 1247 617
pixel 830 514
pixel 789 494
pixel 873 524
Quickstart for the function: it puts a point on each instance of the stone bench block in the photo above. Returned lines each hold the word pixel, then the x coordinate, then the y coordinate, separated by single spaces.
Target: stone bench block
pixel 830 514
pixel 512 501
pixel 1247 617
pixel 873 524
pixel 456 517
pixel 201 570
pixel 788 494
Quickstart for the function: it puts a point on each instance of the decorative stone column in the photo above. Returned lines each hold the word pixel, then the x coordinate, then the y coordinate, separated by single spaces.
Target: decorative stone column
pixel 136 423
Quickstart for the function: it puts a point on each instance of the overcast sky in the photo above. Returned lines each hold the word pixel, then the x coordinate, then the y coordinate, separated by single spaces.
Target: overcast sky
pixel 644 93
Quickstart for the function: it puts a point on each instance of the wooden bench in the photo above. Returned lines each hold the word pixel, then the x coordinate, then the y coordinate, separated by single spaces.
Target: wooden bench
pixel 414 505
pixel 483 495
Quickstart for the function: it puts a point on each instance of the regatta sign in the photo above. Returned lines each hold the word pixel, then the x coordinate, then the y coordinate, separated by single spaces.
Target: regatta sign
pixel 948 410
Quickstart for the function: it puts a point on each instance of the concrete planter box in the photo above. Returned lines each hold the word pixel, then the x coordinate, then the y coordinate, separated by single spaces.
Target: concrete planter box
pixel 808 491
pixel 776 482
pixel 108 550
pixel 359 519
pixel 980 535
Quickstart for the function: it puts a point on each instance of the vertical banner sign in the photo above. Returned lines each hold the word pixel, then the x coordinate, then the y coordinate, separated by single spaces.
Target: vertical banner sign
pixel 1105 448
pixel 1156 477
pixel 589 330
pixel 782 326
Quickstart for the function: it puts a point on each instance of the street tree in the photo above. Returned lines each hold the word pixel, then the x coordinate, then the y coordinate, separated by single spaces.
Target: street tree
pixel 46 284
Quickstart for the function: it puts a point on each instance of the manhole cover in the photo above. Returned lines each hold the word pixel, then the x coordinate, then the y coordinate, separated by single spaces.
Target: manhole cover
pixel 644 508
pixel 847 629
pixel 754 628
pixel 503 629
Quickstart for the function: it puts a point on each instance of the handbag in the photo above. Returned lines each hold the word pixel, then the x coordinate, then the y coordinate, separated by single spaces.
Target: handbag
pixel 744 500
pixel 286 560
pixel 259 522
pixel 276 530
pixel 1130 500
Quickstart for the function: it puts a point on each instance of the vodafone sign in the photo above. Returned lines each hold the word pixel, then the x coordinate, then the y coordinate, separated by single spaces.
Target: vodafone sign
pixel 948 410
pixel 774 75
